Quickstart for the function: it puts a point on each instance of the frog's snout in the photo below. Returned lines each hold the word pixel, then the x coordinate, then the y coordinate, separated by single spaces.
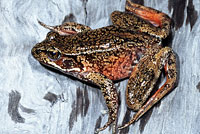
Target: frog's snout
pixel 36 51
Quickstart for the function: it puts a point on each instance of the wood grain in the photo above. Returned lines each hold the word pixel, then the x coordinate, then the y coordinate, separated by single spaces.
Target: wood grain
pixel 52 103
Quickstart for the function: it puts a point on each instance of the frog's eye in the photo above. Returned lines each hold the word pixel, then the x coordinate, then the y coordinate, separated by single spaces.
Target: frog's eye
pixel 51 36
pixel 53 53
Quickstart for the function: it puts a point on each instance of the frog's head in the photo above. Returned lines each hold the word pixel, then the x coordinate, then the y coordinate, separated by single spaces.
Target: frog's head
pixel 50 52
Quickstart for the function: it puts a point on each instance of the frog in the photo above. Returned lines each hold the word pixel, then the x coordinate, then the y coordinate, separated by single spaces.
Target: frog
pixel 130 48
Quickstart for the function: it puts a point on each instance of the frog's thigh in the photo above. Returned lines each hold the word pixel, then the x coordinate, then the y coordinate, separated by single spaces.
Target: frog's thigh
pixel 145 75
pixel 143 79
pixel 139 86
pixel 109 92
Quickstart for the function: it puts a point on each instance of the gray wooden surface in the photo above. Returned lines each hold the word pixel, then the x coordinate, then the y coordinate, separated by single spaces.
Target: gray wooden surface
pixel 34 100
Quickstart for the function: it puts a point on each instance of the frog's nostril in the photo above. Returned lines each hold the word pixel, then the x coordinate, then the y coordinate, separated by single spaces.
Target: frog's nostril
pixel 38 51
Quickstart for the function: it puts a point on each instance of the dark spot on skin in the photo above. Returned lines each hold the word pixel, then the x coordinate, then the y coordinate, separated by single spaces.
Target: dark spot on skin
pixel 126 119
pixel 198 86
pixel 69 18
pixel 191 14
pixel 145 118
pixel 98 123
pixel 170 62
pixel 178 7
pixel 13 104
pixel 171 73
pixel 68 64
pixel 79 107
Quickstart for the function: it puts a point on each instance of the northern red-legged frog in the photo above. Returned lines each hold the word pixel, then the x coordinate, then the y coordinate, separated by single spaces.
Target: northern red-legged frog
pixel 131 47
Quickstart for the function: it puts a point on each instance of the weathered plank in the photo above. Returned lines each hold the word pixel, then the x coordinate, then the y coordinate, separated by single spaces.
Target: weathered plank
pixel 71 106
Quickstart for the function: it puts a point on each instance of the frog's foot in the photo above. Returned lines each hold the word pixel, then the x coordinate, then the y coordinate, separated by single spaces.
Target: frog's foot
pixel 110 95
pixel 143 79
pixel 67 28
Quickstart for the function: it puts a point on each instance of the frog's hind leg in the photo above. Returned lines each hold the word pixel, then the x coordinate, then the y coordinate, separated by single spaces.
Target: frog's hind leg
pixel 110 95
pixel 67 28
pixel 144 19
pixel 143 79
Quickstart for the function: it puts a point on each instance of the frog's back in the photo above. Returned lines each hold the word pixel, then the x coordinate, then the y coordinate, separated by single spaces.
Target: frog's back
pixel 107 39
pixel 112 51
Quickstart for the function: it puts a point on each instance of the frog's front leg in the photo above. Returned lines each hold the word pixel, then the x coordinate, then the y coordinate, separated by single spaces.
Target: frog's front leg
pixel 66 28
pixel 144 77
pixel 110 95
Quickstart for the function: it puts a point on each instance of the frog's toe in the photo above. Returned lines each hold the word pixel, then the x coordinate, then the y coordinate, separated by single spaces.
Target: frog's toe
pixel 110 121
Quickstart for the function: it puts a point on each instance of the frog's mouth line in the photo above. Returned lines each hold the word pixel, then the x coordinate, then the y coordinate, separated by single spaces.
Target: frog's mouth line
pixel 60 71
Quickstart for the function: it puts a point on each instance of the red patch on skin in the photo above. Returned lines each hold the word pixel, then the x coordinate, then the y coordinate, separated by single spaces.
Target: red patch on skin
pixel 152 17
pixel 120 68
pixel 113 67
pixel 59 62
pixel 145 13
pixel 68 31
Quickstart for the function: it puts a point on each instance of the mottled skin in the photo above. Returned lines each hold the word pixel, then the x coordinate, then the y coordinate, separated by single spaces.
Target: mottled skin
pixel 131 47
